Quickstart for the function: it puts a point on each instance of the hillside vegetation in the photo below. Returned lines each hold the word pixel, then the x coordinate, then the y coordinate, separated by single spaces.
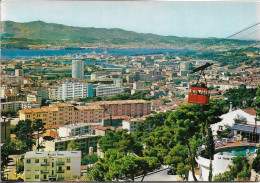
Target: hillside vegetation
pixel 24 35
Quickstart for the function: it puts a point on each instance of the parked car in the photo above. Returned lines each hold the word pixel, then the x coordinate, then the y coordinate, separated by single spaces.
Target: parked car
pixel 170 171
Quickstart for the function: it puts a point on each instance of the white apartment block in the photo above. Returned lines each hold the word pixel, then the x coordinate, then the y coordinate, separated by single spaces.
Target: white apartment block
pixel 51 165
pixel 72 89
pixel 18 105
pixel 131 125
pixel 76 129
pixel 53 92
pixel 109 90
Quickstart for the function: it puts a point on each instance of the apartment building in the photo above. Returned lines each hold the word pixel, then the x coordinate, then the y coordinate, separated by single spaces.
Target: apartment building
pixel 71 89
pixel 32 97
pixel 131 124
pixel 63 113
pixel 109 90
pixel 125 107
pixel 139 85
pixel 76 129
pixel 61 143
pixel 7 88
pixel 53 92
pixel 77 69
pixel 18 105
pixel 51 165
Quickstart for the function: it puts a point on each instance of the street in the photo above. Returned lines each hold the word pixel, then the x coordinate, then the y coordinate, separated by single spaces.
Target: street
pixel 160 176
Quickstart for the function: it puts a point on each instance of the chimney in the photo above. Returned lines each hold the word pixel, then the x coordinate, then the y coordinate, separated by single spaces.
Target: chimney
pixel 230 107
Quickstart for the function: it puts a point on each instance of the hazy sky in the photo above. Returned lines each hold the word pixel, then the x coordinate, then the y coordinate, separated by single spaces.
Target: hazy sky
pixel 191 19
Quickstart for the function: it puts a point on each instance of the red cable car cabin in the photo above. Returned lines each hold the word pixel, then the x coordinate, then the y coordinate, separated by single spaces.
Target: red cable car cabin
pixel 199 95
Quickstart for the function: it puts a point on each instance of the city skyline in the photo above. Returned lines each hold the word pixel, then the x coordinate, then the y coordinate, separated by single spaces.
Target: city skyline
pixel 184 19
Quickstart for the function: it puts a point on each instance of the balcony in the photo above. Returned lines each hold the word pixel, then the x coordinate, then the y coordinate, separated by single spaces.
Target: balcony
pixel 60 171
pixel 61 163
pixel 44 171
pixel 45 164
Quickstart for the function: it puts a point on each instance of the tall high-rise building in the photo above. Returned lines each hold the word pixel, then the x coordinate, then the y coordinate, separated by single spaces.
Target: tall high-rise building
pixel 77 69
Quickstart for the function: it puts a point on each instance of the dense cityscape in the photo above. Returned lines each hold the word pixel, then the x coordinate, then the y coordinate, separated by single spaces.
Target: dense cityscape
pixel 129 110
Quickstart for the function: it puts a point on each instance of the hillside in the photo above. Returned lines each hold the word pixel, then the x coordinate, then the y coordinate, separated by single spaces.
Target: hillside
pixel 24 35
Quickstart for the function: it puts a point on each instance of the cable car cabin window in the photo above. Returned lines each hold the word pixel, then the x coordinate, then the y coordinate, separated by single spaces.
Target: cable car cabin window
pixel 194 92
pixel 199 92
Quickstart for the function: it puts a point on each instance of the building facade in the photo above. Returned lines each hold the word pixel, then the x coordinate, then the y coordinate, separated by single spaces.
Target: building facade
pixel 131 124
pixel 109 90
pixel 125 107
pixel 86 142
pixel 63 113
pixel 51 165
pixel 5 128
pixel 77 69
pixel 72 89
pixel 18 105
pixel 76 129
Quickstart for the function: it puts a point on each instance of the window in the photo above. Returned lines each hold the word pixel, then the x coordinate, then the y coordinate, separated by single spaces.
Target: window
pixel 28 161
pixel 68 167
pixel 45 160
pixel 68 160
pixel 36 176
pixel 36 160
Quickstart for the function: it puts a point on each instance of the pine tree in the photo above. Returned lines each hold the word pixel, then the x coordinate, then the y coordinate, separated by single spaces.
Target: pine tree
pixel 210 170
pixel 210 146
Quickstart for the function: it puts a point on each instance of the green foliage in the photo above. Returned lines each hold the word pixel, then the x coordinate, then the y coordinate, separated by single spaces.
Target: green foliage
pixel 20 35
pixel 8 113
pixel 120 140
pixel 7 148
pixel 115 165
pixel 223 177
pixel 179 161
pixel 152 122
pixel 241 97
pixel 210 146
pixel 210 171
pixel 20 166
pixel 166 100
pixel 38 126
pixel 89 159
pixel 256 162
pixel 24 133
pixel 159 142
pixel 183 170
pixel 73 145
pixel 256 103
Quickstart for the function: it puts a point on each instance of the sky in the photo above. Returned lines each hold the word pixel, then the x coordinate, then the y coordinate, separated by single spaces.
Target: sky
pixel 186 19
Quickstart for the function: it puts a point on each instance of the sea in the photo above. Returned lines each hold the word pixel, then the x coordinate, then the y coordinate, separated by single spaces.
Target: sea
pixel 25 54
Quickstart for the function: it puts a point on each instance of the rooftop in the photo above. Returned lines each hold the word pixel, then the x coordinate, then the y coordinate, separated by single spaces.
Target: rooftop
pixel 89 107
pixel 77 125
pixel 51 154
pixel 121 102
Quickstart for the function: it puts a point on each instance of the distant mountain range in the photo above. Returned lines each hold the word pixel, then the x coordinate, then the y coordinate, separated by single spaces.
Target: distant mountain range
pixel 39 34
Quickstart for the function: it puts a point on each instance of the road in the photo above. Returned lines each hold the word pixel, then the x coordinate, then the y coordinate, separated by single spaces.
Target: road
pixel 159 176
pixel 11 167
